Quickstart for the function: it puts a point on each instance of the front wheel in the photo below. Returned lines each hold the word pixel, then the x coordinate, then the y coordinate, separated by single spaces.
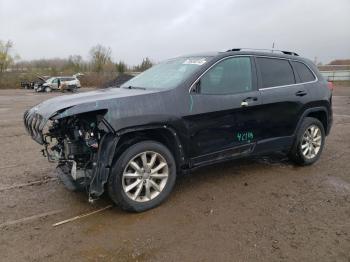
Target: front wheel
pixel 309 142
pixel 142 177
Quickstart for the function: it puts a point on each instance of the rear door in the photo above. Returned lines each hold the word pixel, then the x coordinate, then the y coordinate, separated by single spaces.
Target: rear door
pixel 283 98
pixel 223 120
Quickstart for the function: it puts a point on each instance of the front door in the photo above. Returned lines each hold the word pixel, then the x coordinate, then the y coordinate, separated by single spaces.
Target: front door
pixel 224 120
pixel 54 84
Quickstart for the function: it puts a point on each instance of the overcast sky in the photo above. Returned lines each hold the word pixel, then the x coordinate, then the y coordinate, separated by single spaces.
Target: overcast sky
pixel 162 29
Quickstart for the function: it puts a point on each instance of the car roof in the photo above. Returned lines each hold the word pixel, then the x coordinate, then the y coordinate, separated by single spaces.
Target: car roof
pixel 65 76
pixel 272 53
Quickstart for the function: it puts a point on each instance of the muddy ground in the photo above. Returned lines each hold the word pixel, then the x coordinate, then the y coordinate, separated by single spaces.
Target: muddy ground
pixel 248 210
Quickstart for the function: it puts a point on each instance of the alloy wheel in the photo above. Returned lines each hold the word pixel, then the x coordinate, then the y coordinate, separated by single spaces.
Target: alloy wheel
pixel 145 176
pixel 311 142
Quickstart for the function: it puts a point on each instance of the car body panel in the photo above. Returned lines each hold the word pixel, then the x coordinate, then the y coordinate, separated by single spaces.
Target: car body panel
pixel 210 128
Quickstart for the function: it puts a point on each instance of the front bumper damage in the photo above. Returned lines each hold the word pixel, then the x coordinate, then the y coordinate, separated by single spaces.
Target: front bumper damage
pixel 99 164
pixel 34 124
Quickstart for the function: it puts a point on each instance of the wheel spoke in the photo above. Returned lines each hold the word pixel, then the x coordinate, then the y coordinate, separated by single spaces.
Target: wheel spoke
pixel 313 150
pixel 317 144
pixel 156 176
pixel 154 185
pixel 310 151
pixel 317 138
pixel 138 190
pixel 305 151
pixel 309 133
pixel 153 160
pixel 131 175
pixel 144 160
pixel 304 145
pixel 159 167
pixel 132 185
pixel 148 190
pixel 135 166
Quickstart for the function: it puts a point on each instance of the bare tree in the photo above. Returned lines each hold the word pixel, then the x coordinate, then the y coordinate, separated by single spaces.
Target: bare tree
pixel 121 67
pixel 5 57
pixel 75 63
pixel 100 57
pixel 145 64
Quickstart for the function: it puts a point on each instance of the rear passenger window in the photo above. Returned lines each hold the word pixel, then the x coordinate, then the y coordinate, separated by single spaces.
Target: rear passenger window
pixel 304 72
pixel 275 72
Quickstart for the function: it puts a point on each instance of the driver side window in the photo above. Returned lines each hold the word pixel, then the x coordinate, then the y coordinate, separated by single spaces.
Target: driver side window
pixel 230 76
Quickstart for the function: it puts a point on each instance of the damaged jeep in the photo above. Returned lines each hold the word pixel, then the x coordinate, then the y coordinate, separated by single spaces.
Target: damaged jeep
pixel 179 115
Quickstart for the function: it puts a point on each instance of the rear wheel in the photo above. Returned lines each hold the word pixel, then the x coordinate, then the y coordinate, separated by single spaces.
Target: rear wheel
pixel 142 177
pixel 309 142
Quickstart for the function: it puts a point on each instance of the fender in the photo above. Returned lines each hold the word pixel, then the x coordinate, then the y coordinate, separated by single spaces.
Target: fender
pixel 308 111
pixel 108 148
pixel 172 131
pixel 102 165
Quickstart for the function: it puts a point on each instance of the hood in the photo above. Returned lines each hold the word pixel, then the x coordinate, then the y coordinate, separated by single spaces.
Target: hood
pixel 36 118
pixel 41 78
pixel 90 101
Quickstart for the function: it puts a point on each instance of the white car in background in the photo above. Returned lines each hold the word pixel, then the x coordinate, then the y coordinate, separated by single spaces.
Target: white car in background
pixel 60 83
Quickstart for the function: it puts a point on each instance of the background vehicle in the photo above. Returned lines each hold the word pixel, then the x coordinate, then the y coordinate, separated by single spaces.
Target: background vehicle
pixel 69 83
pixel 182 114
pixel 34 84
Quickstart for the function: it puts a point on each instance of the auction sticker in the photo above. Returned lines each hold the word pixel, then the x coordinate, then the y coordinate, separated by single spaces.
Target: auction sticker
pixel 195 61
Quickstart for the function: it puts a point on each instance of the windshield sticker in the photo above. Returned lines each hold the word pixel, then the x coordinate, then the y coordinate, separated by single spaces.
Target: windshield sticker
pixel 195 61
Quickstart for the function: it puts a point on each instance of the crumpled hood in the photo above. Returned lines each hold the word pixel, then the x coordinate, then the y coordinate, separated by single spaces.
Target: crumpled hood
pixel 36 118
pixel 49 107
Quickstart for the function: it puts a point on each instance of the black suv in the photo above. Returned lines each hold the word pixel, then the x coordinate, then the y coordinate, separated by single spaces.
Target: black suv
pixel 181 114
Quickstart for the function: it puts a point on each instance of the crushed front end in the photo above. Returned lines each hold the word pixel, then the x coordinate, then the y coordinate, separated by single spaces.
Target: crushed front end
pixel 83 146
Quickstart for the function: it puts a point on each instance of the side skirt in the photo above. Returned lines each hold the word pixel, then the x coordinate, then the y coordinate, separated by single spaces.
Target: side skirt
pixel 261 147
pixel 223 155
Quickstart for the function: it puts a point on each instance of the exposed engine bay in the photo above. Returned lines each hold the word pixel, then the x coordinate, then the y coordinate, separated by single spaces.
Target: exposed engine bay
pixel 75 142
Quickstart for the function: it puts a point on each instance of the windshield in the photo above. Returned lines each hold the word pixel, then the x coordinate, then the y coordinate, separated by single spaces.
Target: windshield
pixel 167 74
pixel 50 80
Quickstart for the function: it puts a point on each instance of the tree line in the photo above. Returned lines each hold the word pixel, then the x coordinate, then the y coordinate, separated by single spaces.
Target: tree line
pixel 100 61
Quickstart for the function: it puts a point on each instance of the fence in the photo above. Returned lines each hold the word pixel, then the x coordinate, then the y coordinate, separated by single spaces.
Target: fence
pixel 339 75
pixel 335 72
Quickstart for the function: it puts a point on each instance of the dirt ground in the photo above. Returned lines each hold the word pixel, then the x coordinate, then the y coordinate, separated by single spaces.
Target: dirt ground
pixel 262 209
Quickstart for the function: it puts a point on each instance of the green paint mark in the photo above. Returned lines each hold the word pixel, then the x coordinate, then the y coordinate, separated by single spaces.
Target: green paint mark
pixel 245 136
pixel 191 103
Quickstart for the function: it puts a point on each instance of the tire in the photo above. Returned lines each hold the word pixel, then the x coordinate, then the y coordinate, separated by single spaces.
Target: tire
pixel 47 89
pixel 164 178
pixel 301 154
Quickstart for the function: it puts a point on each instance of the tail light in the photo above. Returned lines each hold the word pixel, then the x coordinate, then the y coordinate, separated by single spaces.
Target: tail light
pixel 330 85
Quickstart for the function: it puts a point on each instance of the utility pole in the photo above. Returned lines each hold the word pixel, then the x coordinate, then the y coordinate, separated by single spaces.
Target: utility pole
pixel 273 47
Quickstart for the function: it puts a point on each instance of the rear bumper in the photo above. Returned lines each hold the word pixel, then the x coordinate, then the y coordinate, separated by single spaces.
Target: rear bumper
pixel 34 124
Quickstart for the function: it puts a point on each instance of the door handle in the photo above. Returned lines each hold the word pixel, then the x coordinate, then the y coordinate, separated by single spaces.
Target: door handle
pixel 246 101
pixel 251 98
pixel 301 93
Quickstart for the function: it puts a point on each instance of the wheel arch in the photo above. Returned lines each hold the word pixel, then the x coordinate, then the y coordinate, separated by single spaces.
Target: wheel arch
pixel 160 133
pixel 320 113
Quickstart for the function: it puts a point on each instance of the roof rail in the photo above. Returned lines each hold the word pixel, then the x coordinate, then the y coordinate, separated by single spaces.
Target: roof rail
pixel 257 49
